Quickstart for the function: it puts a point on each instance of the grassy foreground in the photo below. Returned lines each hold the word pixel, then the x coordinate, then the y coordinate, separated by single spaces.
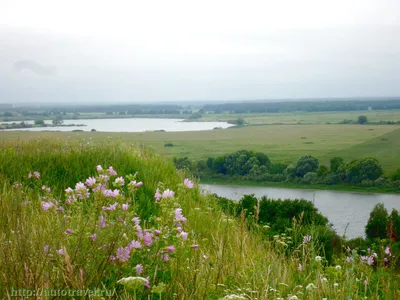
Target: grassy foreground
pixel 111 237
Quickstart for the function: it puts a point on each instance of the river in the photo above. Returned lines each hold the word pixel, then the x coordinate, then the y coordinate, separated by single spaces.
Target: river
pixel 128 125
pixel 341 208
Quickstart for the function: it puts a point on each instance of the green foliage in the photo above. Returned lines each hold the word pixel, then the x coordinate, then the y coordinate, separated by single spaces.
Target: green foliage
pixel 396 175
pixel 362 120
pixel 335 163
pixel 363 169
pixel 305 165
pixel 240 122
pixel 58 120
pixel 394 228
pixel 377 223
pixel 322 170
pixel 39 122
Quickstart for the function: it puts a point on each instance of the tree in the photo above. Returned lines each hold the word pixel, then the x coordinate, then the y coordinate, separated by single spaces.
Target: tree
pixel 58 120
pixel 394 225
pixel 376 227
pixel 239 122
pixel 39 122
pixel 362 120
pixel 218 165
pixel 396 175
pixel 306 164
pixel 364 169
pixel 335 163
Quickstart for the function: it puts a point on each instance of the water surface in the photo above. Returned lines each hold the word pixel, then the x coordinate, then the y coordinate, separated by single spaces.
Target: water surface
pixel 343 209
pixel 128 125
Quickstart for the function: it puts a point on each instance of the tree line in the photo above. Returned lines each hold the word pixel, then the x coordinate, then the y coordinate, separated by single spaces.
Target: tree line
pixel 256 166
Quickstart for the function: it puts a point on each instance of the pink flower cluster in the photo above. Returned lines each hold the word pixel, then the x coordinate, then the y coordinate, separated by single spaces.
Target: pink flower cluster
pixel 35 174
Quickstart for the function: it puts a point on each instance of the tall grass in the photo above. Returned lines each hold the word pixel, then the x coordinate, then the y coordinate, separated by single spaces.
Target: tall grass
pixel 220 257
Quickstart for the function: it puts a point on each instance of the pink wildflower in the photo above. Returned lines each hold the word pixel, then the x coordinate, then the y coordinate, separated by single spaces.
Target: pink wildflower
pixel 111 206
pixel 348 260
pixel 119 181
pixel 194 246
pixel 123 254
pixel 139 184
pixel 99 168
pixel 81 191
pixel 36 174
pixel 157 195
pixel 104 179
pixel 136 220
pixel 46 249
pixel 147 283
pixel 139 231
pixel 178 215
pixel 171 249
pixel 111 171
pixel 188 183
pixel 125 206
pixel 60 251
pixel 147 239
pixel 184 235
pixel 134 245
pixel 68 231
pixel 69 191
pixel 165 257
pixel 139 269
pixel 168 194
pixel 46 205
pixel 90 182
pixel 102 221
pixel 157 232
pixel 307 239
pixel 93 237
pixel 387 251
pixel 30 175
pixel 300 268
pixel 111 193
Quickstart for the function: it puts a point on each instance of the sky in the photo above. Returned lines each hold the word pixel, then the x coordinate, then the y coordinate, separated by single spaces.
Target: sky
pixel 93 51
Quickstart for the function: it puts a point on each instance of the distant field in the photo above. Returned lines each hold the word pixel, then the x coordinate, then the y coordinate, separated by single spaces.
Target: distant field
pixel 282 143
pixel 307 117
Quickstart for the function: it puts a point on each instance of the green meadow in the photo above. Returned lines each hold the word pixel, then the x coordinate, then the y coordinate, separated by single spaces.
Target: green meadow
pixel 282 143
pixel 139 230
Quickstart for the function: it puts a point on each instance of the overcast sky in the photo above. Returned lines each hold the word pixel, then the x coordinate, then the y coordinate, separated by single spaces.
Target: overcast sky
pixel 135 51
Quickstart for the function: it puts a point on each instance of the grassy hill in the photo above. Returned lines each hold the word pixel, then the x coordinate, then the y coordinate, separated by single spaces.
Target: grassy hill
pixel 179 247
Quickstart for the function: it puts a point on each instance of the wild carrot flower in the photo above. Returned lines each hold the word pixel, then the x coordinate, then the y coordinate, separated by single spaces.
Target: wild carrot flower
pixel 171 249
pixel 46 205
pixel 90 182
pixel 93 237
pixel 123 254
pixel 139 269
pixel 188 183
pixel 111 171
pixel 335 284
pixel 119 181
pixel 125 206
pixel 168 194
pixel 133 283
pixel 311 286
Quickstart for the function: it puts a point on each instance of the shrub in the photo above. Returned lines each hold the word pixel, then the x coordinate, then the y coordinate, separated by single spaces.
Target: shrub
pixel 377 223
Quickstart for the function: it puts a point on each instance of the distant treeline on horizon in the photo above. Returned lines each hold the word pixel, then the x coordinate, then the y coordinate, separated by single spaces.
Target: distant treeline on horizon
pixel 276 106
